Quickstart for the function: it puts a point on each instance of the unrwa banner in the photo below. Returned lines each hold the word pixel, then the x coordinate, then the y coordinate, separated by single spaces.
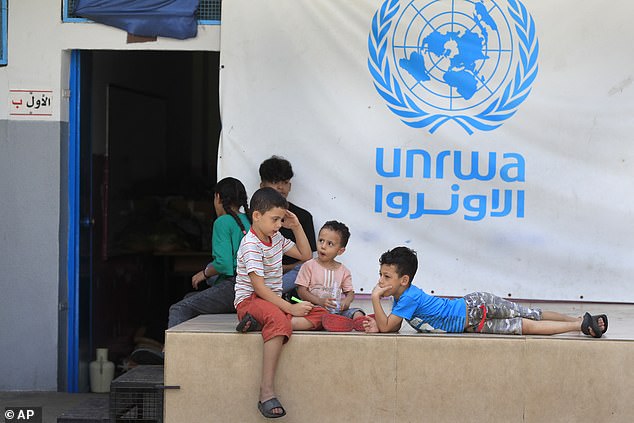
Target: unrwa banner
pixel 493 137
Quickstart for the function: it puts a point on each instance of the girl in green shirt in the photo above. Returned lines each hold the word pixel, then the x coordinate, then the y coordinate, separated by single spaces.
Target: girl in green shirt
pixel 230 226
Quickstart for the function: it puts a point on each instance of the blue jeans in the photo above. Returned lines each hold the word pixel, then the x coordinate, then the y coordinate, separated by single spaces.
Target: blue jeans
pixel 217 299
pixel 288 279
pixel 350 312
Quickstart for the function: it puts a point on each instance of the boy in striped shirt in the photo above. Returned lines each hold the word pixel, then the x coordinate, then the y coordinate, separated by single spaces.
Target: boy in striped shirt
pixel 258 287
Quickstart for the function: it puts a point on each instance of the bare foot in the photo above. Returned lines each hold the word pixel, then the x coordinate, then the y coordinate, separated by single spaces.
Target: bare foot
pixel 369 324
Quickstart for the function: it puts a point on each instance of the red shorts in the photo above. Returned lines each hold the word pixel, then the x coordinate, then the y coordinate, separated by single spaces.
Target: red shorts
pixel 274 321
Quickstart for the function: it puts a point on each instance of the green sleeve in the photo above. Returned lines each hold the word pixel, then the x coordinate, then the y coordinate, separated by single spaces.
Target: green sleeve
pixel 222 245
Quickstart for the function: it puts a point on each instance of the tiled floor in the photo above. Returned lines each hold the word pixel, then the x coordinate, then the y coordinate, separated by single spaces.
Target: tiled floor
pixel 621 321
pixel 53 403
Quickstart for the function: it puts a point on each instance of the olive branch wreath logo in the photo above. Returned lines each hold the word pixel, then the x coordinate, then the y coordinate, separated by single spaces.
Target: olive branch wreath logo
pixel 489 119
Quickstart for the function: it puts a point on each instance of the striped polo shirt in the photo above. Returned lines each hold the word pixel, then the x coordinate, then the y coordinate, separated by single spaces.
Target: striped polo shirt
pixel 262 258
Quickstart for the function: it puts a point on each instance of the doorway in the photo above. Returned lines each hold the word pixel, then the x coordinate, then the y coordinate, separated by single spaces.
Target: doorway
pixel 149 131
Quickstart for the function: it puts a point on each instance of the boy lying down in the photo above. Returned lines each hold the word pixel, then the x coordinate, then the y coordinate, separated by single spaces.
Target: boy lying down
pixel 478 312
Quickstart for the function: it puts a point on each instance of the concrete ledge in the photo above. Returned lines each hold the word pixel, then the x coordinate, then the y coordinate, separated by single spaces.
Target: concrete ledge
pixel 357 377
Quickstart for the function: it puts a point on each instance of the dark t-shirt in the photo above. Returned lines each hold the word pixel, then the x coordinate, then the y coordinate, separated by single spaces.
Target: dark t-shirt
pixel 306 219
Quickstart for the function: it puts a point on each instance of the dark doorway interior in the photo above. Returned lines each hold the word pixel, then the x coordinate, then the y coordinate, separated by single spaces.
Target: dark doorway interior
pixel 149 137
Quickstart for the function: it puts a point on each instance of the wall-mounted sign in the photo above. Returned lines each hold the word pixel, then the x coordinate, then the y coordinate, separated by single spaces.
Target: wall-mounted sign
pixel 30 102
pixel 466 130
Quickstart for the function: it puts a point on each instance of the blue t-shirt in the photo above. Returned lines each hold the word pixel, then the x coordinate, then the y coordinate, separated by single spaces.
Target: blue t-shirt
pixel 428 313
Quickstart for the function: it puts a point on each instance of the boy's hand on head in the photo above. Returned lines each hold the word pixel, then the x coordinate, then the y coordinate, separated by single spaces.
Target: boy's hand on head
pixel 378 292
pixel 290 220
pixel 301 309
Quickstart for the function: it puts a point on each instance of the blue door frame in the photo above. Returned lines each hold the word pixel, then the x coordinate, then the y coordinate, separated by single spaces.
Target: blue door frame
pixel 72 362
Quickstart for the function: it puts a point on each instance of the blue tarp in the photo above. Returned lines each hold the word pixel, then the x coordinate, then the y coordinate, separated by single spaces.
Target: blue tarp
pixel 146 18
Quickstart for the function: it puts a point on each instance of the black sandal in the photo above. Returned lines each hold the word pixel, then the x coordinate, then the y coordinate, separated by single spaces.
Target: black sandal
pixel 267 407
pixel 248 324
pixel 591 322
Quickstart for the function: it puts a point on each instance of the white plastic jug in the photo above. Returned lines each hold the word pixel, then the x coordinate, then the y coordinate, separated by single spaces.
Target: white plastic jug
pixel 101 372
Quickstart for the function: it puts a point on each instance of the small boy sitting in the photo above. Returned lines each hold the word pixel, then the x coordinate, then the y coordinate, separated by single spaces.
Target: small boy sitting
pixel 258 287
pixel 321 280
pixel 479 312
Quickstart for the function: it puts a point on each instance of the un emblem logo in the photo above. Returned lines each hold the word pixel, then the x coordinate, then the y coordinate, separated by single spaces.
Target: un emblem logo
pixel 462 61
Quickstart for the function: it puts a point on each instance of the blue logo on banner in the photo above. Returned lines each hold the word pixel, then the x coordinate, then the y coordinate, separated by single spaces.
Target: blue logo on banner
pixel 437 61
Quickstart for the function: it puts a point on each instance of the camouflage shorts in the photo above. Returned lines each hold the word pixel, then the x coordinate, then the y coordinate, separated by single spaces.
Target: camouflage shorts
pixel 502 316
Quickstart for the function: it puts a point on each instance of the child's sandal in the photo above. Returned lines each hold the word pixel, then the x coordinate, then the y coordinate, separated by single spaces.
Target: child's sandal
pixel 591 322
pixel 248 324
